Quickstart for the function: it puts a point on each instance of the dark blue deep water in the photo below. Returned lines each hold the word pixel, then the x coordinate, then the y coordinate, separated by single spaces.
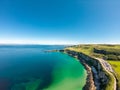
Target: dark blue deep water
pixel 28 67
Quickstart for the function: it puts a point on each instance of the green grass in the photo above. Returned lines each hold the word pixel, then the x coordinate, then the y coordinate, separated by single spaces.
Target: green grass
pixel 82 48
pixel 110 83
pixel 116 67
pixel 111 52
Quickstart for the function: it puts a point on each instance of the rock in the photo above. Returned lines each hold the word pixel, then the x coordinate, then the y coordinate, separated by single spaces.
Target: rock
pixel 96 78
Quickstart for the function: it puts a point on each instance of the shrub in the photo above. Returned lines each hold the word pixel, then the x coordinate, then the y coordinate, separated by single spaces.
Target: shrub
pixel 112 57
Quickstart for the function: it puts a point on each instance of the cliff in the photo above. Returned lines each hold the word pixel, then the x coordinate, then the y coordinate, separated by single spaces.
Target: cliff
pixel 97 78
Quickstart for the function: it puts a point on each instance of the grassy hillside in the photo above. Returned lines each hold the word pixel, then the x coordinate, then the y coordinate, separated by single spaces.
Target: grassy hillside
pixel 116 67
pixel 111 53
pixel 108 52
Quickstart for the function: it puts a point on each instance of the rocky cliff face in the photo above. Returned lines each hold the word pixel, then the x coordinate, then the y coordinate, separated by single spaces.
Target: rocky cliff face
pixel 97 79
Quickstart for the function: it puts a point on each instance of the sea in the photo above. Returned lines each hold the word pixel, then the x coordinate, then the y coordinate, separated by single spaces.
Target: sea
pixel 30 67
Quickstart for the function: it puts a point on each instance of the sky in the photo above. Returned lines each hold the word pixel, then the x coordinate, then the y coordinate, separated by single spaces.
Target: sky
pixel 59 21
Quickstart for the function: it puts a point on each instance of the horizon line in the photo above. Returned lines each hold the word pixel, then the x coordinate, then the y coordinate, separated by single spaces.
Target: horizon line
pixel 59 44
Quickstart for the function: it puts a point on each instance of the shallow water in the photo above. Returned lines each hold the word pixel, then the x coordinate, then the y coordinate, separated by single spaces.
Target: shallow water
pixel 30 68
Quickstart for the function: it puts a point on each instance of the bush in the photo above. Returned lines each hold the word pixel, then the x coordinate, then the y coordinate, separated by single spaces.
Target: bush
pixel 112 57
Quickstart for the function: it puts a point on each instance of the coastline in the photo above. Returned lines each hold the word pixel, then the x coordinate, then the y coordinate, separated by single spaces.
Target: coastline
pixel 89 85
pixel 89 80
pixel 97 72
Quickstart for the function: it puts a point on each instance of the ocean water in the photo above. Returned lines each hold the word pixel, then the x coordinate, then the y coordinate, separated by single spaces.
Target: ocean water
pixel 30 68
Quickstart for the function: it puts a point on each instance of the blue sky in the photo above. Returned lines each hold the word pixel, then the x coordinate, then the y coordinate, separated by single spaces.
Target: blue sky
pixel 59 21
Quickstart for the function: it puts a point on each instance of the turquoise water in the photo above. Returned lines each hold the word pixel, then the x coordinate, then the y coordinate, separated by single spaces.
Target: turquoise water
pixel 30 68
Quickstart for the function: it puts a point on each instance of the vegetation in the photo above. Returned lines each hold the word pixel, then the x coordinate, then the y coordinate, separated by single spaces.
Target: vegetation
pixel 110 83
pixel 116 67
pixel 108 52
pixel 111 53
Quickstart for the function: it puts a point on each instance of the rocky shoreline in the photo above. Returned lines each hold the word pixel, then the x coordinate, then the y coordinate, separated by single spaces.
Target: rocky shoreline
pixel 97 79
pixel 89 81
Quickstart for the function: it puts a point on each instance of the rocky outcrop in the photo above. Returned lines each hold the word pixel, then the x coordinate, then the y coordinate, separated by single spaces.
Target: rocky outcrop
pixel 97 78
pixel 89 81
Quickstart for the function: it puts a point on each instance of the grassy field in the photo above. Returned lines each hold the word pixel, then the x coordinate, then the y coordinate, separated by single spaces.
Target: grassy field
pixel 108 52
pixel 116 67
pixel 111 53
